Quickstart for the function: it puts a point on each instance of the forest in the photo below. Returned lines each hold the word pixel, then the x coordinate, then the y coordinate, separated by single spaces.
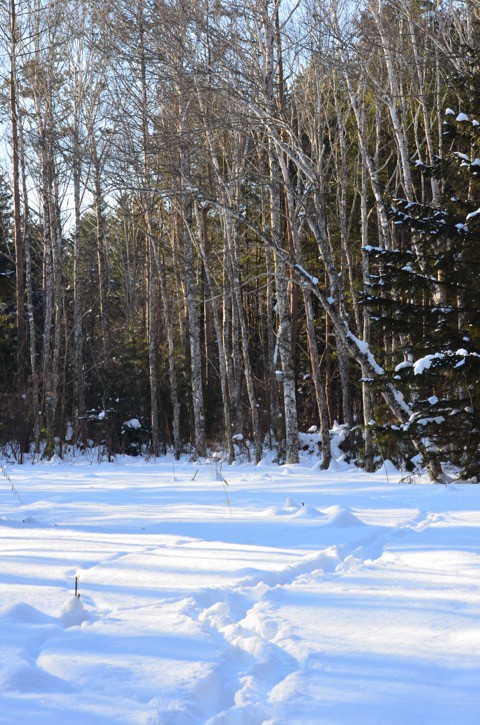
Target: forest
pixel 226 223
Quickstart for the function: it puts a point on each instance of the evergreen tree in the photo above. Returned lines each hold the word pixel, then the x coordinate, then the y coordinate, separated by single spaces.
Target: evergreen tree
pixel 426 296
pixel 7 280
pixel 6 263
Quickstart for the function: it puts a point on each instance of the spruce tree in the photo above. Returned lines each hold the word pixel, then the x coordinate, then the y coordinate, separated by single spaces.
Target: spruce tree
pixel 425 295
pixel 7 286
pixel 6 262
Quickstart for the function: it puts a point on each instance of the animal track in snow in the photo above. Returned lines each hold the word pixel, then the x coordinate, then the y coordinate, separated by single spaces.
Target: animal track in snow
pixel 254 663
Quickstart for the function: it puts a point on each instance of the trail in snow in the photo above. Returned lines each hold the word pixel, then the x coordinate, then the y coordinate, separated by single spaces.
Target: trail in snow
pixel 255 660
pixel 318 598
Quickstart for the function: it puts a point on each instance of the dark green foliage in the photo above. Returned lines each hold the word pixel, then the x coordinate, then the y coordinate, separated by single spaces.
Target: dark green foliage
pixel 426 292
pixel 7 286
pixel 7 267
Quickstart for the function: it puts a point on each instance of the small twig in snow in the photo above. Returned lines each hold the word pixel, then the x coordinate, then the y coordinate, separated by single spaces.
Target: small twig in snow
pixel 3 469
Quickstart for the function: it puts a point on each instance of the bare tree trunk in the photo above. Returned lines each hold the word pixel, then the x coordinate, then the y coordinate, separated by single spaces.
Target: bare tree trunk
pixel 395 101
pixel 231 232
pixel 58 291
pixel 172 365
pixel 231 345
pixel 269 36
pixel 235 329
pixel 78 373
pixel 201 218
pixel 384 227
pixel 318 382
pixel 48 392
pixel 22 343
pixel 191 295
pixel 270 363
pixel 150 243
pixel 30 306
pixel 366 397
pixel 152 337
pixel 285 324
pixel 103 265
pixel 420 65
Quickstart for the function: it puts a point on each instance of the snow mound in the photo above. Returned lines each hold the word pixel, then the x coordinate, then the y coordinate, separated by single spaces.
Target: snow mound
pixel 10 523
pixel 133 423
pixel 310 442
pixel 295 511
pixel 309 512
pixel 26 614
pixel 15 524
pixel 340 464
pixel 28 679
pixel 350 564
pixel 289 508
pixel 74 613
pixel 390 468
pixel 342 516
pixel 32 522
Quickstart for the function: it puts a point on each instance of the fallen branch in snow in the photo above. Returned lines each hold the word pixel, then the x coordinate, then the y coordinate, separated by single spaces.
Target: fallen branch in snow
pixel 217 463
pixel 224 483
pixel 3 469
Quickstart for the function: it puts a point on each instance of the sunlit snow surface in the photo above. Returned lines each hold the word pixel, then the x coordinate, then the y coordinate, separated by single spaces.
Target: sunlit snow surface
pixel 314 597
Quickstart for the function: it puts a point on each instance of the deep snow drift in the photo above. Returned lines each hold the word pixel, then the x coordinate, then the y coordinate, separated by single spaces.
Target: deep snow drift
pixel 289 596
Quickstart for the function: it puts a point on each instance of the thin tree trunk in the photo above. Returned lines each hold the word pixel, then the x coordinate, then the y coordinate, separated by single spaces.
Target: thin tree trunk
pixel 78 373
pixel 169 317
pixel 270 364
pixel 30 306
pixel 22 343
pixel 47 288
pixel 102 255
pixel 201 218
pixel 318 382
pixel 366 397
pixel 58 292
pixel 281 277
pixel 285 324
pixel 185 208
pixel 150 243
pixel 231 232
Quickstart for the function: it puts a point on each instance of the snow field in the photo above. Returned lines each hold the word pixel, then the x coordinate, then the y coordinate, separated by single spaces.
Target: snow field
pixel 314 597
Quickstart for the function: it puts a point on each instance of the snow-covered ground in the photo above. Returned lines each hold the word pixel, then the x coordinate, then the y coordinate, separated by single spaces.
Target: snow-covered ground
pixel 309 597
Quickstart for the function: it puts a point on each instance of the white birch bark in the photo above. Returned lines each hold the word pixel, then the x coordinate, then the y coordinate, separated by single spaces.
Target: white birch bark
pixel 281 278
pixel 201 219
pixel 78 373
pixel 150 244
pixel 22 345
pixel 29 294
pixel 191 301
